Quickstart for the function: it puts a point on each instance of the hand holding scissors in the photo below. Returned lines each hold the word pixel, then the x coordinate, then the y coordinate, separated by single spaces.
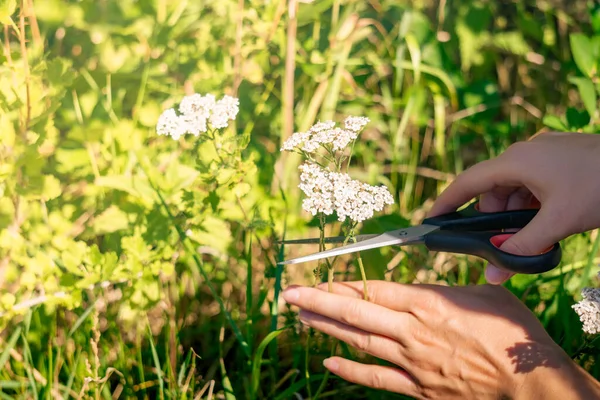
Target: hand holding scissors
pixel 467 231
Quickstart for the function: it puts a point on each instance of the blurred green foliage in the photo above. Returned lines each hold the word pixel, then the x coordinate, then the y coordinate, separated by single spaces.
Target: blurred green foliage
pixel 136 266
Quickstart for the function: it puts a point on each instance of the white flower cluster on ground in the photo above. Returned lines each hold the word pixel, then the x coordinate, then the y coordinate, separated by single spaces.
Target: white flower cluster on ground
pixel 326 133
pixel 588 310
pixel 328 191
pixel 196 112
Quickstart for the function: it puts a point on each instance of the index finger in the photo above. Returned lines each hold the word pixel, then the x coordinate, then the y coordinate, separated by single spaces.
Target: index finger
pixel 354 312
pixel 395 296
pixel 478 179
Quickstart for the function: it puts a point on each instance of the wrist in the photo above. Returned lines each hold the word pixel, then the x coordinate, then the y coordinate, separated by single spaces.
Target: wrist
pixel 557 377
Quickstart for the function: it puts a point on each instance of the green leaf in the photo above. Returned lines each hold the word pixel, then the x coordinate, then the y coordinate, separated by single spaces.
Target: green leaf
pixel 213 199
pixel 473 33
pixel 59 72
pixel 7 8
pixel 180 176
pixel 51 189
pixel 111 220
pixel 585 53
pixel 7 212
pixel 214 233
pixel 68 280
pixel 244 140
pixel 110 264
pixel 554 122
pixel 587 93
pixel 512 42
pixel 95 255
pixel 595 17
pixel 415 55
pixel 577 119
pixel 134 185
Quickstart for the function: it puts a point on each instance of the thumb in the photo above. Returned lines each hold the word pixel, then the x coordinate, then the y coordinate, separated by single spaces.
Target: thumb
pixel 537 236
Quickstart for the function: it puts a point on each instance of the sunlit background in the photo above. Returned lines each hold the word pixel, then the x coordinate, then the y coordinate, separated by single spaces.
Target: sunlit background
pixel 136 266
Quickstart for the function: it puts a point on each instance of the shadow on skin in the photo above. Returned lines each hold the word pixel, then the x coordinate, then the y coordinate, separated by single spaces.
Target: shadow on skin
pixel 528 356
pixel 525 356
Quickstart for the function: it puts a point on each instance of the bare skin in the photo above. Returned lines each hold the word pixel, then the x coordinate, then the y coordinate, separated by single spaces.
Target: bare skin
pixel 558 171
pixel 475 342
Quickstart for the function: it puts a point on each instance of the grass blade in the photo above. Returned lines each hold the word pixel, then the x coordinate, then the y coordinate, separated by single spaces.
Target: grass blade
pixel 249 292
pixel 289 392
pixel 5 396
pixel 181 375
pixel 80 320
pixel 159 372
pixel 9 346
pixel 72 375
pixel 258 359
pixel 585 278
pixel 11 384
pixel 228 389
pixel 28 365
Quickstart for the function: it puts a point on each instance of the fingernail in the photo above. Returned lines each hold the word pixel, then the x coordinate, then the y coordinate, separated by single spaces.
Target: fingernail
pixel 494 275
pixel 291 295
pixel 304 317
pixel 331 365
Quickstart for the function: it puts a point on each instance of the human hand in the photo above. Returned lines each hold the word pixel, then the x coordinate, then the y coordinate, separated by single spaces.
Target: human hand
pixel 475 342
pixel 555 170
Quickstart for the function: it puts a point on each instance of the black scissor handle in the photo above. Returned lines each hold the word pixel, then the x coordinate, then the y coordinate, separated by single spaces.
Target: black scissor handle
pixel 486 245
pixel 471 219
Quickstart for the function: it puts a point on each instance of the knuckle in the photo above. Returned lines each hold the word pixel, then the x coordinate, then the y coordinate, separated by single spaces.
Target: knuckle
pixel 372 289
pixel 429 304
pixel 428 393
pixel 362 342
pixel 376 381
pixel 350 314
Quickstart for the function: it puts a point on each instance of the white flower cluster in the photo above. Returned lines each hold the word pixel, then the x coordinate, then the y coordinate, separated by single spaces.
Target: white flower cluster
pixel 326 133
pixel 329 191
pixel 196 112
pixel 588 310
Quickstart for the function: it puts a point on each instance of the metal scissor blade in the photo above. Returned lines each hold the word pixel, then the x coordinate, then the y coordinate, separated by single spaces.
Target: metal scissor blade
pixel 332 239
pixel 411 235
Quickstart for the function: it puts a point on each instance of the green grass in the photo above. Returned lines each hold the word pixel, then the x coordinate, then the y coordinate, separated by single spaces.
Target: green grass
pixel 162 256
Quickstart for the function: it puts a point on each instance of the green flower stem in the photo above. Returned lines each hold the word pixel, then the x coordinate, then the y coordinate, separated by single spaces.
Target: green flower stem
pixel 200 266
pixel 306 363
pixel 327 373
pixel 364 278
pixel 350 155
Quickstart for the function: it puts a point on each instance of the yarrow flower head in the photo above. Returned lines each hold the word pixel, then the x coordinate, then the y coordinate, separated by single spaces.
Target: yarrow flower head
pixel 588 310
pixel 329 191
pixel 356 124
pixel 195 113
pixel 325 133
pixel 224 110
pixel 169 123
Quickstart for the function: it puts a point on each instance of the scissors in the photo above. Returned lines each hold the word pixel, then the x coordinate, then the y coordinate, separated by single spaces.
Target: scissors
pixel 468 231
